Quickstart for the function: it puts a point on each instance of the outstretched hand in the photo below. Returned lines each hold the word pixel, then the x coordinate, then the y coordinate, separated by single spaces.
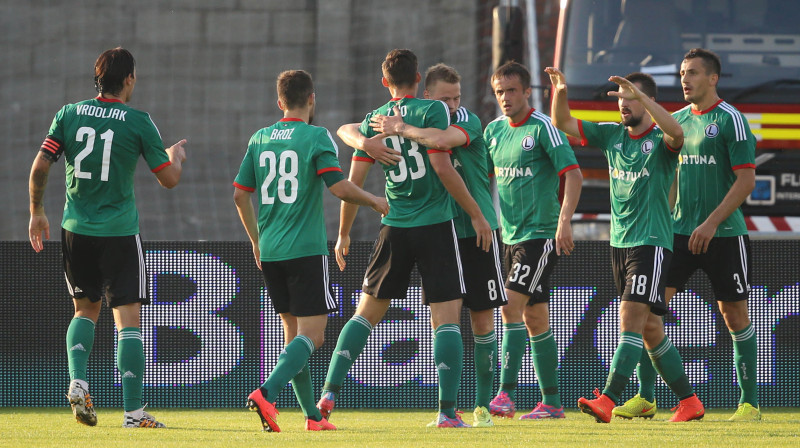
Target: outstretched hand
pixel 627 90
pixel 557 78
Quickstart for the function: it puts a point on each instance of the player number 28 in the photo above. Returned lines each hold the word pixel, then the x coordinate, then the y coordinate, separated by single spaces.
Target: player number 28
pixel 286 172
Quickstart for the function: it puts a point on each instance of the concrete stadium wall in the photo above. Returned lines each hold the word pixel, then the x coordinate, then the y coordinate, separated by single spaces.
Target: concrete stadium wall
pixel 206 72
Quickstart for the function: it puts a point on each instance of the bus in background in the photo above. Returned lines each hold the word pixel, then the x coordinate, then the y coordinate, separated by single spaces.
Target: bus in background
pixel 759 45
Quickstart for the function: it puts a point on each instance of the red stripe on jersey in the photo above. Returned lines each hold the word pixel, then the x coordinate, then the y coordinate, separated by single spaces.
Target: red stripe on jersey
pixel 433 150
pixel 325 170
pixel 780 223
pixel 242 187
pixel 491 173
pixel 637 137
pixel 527 117
pixel 108 100
pixel 584 140
pixel 702 112
pixel 161 167
pixel 743 166
pixel 671 148
pixel 569 168
pixel 466 134
pixel 290 119
pixel 363 159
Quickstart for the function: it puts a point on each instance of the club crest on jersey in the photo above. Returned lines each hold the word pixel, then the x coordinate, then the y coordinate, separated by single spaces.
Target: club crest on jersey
pixel 712 130
pixel 647 146
pixel 528 143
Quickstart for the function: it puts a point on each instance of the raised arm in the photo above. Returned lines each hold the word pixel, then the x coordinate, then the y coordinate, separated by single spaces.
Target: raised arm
pixel 38 225
pixel 451 137
pixel 452 181
pixel 374 146
pixel 560 114
pixel 673 133
pixel 170 175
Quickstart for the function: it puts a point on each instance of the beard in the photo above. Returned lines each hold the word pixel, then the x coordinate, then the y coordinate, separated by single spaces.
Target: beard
pixel 632 121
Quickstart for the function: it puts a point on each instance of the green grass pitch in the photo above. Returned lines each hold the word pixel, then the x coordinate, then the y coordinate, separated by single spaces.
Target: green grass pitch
pixel 395 428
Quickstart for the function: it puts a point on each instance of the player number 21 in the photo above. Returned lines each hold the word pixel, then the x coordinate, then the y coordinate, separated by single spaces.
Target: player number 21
pixel 285 170
pixel 89 134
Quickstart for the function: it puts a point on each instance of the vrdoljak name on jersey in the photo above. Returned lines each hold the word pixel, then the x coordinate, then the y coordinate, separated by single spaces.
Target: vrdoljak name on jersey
pixel 101 112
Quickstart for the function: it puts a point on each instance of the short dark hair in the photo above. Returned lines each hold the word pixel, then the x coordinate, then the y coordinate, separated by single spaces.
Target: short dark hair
pixel 646 83
pixel 441 72
pixel 513 68
pixel 294 88
pixel 111 69
pixel 400 68
pixel 710 59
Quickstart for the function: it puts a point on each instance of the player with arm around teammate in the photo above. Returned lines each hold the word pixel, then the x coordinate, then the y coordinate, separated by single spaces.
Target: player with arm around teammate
pixel 418 231
pixel 482 272
pixel 529 156
pixel 288 163
pixel 101 140
pixel 642 153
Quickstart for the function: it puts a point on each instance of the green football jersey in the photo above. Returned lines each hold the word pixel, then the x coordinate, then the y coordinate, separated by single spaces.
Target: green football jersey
pixel 102 141
pixel 285 164
pixel 528 157
pixel 641 169
pixel 472 163
pixel 416 195
pixel 717 142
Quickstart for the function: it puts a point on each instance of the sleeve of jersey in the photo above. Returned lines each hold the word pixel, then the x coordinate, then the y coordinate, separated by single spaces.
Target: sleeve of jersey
pixel 53 145
pixel 590 133
pixel 246 179
pixel 471 128
pixel 326 161
pixel 741 142
pixel 437 116
pixel 558 149
pixel 153 148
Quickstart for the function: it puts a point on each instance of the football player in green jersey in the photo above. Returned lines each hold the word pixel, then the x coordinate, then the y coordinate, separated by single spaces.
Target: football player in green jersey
pixel 642 153
pixel 288 163
pixel 715 175
pixel 101 140
pixel 529 156
pixel 418 231
pixel 482 272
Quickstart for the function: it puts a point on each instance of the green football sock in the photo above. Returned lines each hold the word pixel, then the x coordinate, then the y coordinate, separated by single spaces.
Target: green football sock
pixel 485 350
pixel 667 361
pixel 515 341
pixel 130 362
pixel 545 362
pixel 647 377
pixel 745 356
pixel 80 340
pixel 627 354
pixel 304 391
pixel 351 342
pixel 448 355
pixel 292 359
